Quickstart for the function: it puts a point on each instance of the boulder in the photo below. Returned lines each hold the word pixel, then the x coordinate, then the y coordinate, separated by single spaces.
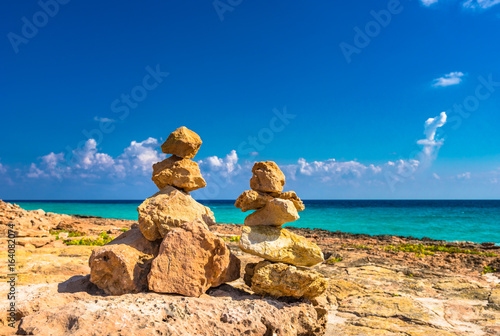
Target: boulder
pixel 276 212
pixel 182 142
pixel 252 200
pixel 280 245
pixel 178 172
pixel 191 260
pixel 118 268
pixel 170 208
pixel 279 280
pixel 292 196
pixel 267 177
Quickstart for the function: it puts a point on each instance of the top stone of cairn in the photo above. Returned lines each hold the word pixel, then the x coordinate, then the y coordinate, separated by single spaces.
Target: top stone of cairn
pixel 267 177
pixel 182 142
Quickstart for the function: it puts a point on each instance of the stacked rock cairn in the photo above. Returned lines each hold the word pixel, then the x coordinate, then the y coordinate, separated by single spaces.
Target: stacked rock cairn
pixel 172 250
pixel 284 272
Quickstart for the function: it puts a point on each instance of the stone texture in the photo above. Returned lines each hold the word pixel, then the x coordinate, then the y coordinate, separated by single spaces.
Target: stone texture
pixel 280 245
pixel 178 172
pixel 119 269
pixel 252 200
pixel 170 208
pixel 292 196
pixel 278 279
pixel 191 260
pixel 45 311
pixel 267 177
pixel 182 142
pixel 276 212
pixel 494 298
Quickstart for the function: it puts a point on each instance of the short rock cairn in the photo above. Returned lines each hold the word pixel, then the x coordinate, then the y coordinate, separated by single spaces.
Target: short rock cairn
pixel 172 250
pixel 263 236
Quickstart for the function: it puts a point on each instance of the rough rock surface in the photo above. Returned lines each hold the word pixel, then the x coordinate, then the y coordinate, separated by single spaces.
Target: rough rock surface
pixel 191 260
pixel 267 177
pixel 170 208
pixel 119 269
pixel 46 310
pixel 279 245
pixel 276 212
pixel 122 266
pixel 252 200
pixel 182 142
pixel 178 172
pixel 292 196
pixel 278 279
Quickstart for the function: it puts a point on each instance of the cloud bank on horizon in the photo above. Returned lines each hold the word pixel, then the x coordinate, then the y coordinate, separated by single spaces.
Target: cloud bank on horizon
pixel 468 4
pixel 227 176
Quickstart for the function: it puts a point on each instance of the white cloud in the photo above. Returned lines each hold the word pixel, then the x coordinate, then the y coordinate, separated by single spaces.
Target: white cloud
pixel 431 145
pixel 436 176
pixel 427 3
pixel 453 78
pixel 104 119
pixel 226 167
pixel 464 176
pixel 480 4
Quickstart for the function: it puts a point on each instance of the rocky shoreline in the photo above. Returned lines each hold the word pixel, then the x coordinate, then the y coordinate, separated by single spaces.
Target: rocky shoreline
pixel 373 289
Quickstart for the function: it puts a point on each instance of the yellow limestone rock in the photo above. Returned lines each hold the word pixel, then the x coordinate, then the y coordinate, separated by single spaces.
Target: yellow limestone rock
pixel 267 177
pixel 178 172
pixel 191 260
pixel 122 266
pixel 252 200
pixel 276 212
pixel 169 208
pixel 182 142
pixel 292 196
pixel 279 245
pixel 278 279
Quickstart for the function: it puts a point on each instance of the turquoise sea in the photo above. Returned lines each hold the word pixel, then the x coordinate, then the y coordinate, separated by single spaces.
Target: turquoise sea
pixel 471 220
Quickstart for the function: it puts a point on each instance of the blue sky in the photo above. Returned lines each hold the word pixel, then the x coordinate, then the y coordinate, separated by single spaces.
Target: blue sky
pixel 339 94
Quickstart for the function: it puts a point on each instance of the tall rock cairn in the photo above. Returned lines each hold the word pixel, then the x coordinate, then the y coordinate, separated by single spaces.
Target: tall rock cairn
pixel 285 272
pixel 172 251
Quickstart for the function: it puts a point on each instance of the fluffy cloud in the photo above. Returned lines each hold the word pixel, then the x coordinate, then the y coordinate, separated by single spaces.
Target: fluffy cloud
pixel 88 163
pixel 480 4
pixel 104 119
pixel 430 143
pixel 464 176
pixel 453 78
pixel 427 3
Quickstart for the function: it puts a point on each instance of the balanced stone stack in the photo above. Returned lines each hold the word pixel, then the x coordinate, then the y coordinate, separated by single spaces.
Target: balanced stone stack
pixel 284 272
pixel 172 250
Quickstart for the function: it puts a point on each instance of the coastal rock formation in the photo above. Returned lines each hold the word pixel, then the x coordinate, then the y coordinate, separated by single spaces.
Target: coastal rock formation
pixel 191 260
pixel 263 236
pixel 122 266
pixel 292 196
pixel 279 280
pixel 182 142
pixel 178 172
pixel 276 212
pixel 267 177
pixel 170 208
pixel 252 200
pixel 173 251
pixel 279 245
pixel 50 309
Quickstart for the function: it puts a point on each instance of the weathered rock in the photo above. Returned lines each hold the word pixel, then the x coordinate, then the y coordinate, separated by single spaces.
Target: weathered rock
pixel 278 279
pixel 276 212
pixel 267 177
pixel 280 245
pixel 252 200
pixel 178 172
pixel 191 260
pixel 170 208
pixel 182 142
pixel 134 238
pixel 119 269
pixel 494 298
pixel 292 196
pixel 45 310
